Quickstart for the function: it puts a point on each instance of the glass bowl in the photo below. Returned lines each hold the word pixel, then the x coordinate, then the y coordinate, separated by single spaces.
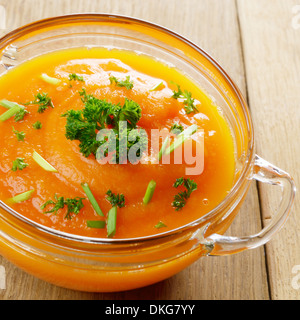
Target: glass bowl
pixel 109 265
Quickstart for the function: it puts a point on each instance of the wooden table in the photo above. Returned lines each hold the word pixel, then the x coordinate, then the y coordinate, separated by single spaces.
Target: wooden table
pixel 258 44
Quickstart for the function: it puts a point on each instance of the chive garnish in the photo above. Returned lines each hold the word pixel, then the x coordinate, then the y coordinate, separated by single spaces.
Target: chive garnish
pixel 92 199
pixel 10 112
pixel 21 197
pixel 111 222
pixel 181 138
pixel 163 148
pixel 116 200
pixel 98 224
pixel 160 225
pixel 42 162
pixel 49 79
pixel 149 192
pixel 156 87
pixel 9 104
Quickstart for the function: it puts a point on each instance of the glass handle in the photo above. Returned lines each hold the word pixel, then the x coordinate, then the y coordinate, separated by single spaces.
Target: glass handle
pixel 265 172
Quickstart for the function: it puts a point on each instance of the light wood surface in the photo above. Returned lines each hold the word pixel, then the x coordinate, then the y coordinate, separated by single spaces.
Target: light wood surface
pixel 258 43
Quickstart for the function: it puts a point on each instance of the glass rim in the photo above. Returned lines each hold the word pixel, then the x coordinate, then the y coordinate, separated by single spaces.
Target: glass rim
pixel 102 17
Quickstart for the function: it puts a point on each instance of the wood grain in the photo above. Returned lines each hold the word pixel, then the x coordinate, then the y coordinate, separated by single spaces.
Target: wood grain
pixel 271 47
pixel 241 36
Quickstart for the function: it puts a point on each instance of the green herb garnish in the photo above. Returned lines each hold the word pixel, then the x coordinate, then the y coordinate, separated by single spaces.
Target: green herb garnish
pixel 181 198
pixel 19 164
pixel 42 100
pixel 37 125
pixel 188 101
pixel 115 199
pixel 98 224
pixel 97 114
pixel 20 114
pixel 21 197
pixel 73 205
pixel 42 162
pixel 176 128
pixel 181 138
pixel 49 79
pixel 75 77
pixel 160 225
pixel 163 148
pixel 122 83
pixel 111 222
pixel 92 199
pixel 16 111
pixel 149 192
pixel 19 134
pixel 157 86
pixel 9 104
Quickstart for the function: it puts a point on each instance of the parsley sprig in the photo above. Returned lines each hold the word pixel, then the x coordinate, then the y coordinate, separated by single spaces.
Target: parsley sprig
pixel 98 114
pixel 73 205
pixel 75 77
pixel 19 164
pixel 19 134
pixel 20 114
pixel 176 128
pixel 188 101
pixel 115 199
pixel 181 198
pixel 122 83
pixel 42 100
pixel 37 125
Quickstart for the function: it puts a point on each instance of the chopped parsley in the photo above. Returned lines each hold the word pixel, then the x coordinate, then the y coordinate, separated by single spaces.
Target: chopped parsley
pixel 37 125
pixel 122 83
pixel 115 199
pixel 19 134
pixel 181 198
pixel 42 100
pixel 19 164
pixel 74 76
pixel 20 114
pixel 176 128
pixel 98 114
pixel 73 205
pixel 188 101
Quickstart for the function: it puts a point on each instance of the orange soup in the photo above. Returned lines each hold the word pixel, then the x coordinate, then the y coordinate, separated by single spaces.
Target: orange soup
pixel 57 170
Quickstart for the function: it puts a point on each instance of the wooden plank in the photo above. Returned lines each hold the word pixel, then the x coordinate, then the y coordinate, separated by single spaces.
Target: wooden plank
pixel 212 24
pixel 271 43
